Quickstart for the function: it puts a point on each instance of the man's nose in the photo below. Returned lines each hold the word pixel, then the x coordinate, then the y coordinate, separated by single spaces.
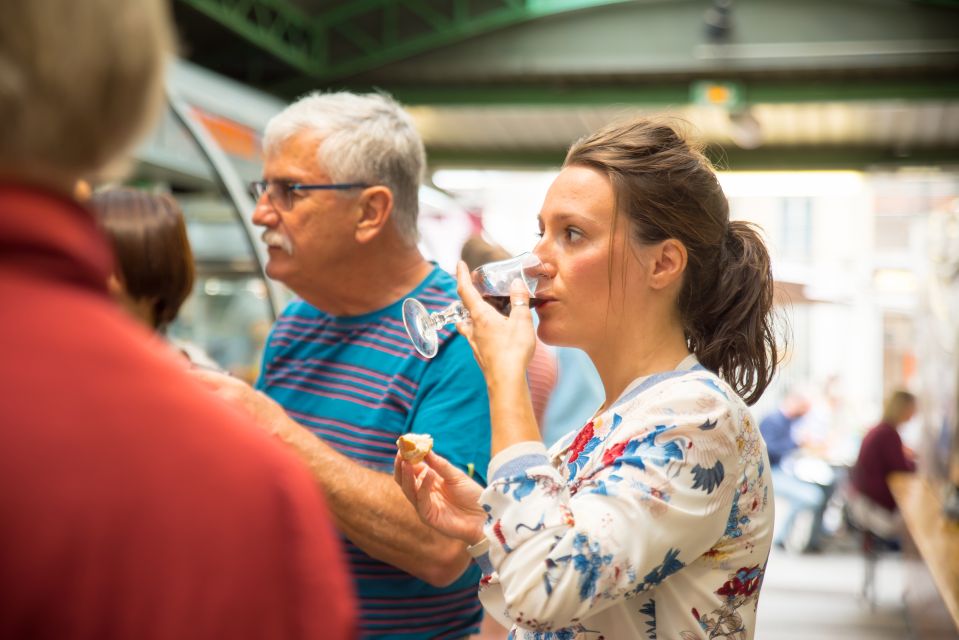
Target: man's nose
pixel 264 214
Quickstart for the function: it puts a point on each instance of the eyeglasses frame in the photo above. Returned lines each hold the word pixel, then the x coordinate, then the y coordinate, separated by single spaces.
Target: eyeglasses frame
pixel 263 186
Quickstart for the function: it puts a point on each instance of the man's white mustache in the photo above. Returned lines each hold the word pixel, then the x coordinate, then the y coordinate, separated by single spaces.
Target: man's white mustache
pixel 275 238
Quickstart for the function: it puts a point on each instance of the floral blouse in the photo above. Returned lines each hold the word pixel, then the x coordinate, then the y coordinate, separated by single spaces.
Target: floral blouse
pixel 653 521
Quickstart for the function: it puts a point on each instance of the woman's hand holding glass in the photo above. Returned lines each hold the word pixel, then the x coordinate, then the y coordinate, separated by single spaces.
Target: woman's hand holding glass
pixel 502 345
pixel 493 281
pixel 444 497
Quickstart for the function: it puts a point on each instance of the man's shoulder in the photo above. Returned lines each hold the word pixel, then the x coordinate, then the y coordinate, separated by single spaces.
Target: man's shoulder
pixel 438 286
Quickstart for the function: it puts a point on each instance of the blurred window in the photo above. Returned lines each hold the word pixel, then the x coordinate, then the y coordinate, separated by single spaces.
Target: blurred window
pixel 796 227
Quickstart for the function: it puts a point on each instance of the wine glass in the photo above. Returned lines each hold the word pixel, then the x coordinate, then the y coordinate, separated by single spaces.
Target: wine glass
pixel 492 280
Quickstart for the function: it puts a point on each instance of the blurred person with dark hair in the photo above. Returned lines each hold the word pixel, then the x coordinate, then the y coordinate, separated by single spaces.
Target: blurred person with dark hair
pixel 870 503
pixel 154 263
pixel 133 504
pixel 154 271
pixel 542 370
pixel 341 382
pixel 655 518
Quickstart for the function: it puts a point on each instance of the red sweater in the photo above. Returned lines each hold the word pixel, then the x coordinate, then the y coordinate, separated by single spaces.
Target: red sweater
pixel 879 455
pixel 133 504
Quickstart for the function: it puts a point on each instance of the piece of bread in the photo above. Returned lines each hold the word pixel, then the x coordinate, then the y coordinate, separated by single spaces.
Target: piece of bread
pixel 414 446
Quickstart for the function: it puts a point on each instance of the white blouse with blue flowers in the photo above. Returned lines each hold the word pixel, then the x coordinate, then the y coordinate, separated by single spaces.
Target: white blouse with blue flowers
pixel 653 521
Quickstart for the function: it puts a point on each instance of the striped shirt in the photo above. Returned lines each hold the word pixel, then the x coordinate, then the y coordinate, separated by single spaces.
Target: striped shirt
pixel 357 383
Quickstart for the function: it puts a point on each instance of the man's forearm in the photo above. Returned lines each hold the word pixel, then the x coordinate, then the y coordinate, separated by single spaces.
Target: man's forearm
pixel 372 512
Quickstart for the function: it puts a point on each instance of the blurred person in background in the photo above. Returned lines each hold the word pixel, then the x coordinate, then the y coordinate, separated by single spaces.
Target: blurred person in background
pixel 656 517
pixel 800 525
pixel 870 502
pixel 133 504
pixel 154 268
pixel 542 370
pixel 340 380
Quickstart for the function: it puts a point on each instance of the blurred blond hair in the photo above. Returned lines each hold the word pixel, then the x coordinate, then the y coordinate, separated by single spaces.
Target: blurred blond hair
pixel 899 406
pixel 80 82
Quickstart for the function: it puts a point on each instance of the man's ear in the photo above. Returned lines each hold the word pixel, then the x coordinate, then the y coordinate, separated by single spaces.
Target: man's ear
pixel 669 263
pixel 375 207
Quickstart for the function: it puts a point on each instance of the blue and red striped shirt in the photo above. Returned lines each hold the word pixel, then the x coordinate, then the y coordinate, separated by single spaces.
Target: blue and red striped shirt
pixel 357 383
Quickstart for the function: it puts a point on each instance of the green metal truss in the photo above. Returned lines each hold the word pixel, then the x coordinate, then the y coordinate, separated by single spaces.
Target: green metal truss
pixel 725 158
pixel 274 25
pixel 669 94
pixel 364 34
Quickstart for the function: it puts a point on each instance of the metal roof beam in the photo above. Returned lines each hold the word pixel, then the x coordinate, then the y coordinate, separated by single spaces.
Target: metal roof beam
pixel 273 25
pixel 365 34
pixel 725 158
pixel 678 93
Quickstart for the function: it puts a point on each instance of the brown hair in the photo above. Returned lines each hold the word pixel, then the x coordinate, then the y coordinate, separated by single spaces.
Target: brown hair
pixel 896 405
pixel 153 256
pixel 476 251
pixel 668 189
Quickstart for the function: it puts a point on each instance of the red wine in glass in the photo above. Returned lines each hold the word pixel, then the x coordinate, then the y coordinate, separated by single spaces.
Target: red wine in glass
pixel 493 281
pixel 502 303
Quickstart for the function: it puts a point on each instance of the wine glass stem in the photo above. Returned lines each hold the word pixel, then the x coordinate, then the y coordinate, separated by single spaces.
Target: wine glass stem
pixel 450 315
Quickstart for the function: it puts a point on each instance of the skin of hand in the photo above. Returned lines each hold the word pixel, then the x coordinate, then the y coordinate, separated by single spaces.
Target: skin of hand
pixel 503 346
pixel 366 505
pixel 445 498
pixel 265 411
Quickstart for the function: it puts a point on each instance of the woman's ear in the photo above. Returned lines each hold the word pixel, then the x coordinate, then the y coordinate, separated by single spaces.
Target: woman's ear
pixel 669 263
pixel 375 206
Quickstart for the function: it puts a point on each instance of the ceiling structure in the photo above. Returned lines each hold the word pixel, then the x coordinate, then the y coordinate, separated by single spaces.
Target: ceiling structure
pixel 765 83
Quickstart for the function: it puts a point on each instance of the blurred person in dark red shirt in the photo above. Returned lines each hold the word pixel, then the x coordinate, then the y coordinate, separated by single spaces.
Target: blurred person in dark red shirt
pixel 881 453
pixel 133 504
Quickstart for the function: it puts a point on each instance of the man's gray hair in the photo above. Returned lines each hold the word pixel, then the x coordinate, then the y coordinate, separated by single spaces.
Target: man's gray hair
pixel 365 138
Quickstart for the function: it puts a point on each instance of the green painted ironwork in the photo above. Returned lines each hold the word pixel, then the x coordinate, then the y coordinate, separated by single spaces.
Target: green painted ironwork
pixel 364 34
pixel 725 158
pixel 674 94
pixel 273 25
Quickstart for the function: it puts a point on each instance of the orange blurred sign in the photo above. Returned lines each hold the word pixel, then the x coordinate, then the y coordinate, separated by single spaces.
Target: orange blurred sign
pixel 717 94
pixel 234 138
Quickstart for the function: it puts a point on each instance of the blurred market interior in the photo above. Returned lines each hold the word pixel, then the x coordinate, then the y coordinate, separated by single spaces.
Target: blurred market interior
pixel 835 124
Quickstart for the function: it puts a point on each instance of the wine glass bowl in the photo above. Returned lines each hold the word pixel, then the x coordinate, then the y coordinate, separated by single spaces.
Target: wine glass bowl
pixel 420 327
pixel 493 282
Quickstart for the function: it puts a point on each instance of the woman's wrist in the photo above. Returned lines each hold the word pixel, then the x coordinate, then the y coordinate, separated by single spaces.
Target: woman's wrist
pixel 506 382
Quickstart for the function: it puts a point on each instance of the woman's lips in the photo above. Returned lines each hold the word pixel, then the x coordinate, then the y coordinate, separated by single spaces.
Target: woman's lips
pixel 546 302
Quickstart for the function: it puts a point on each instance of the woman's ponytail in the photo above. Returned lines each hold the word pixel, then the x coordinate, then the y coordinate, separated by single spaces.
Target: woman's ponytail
pixel 729 325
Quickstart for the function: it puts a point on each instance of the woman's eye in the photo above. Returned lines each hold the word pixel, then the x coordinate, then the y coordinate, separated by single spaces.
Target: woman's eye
pixel 573 234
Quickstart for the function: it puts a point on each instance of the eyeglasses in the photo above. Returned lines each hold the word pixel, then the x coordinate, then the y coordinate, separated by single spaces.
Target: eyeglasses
pixel 281 193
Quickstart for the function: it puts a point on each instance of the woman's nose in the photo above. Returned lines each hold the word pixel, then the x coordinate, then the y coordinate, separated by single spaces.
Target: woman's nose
pixel 546 264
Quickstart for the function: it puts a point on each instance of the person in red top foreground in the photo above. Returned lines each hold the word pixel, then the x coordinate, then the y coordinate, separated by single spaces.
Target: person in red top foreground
pixel 871 504
pixel 133 504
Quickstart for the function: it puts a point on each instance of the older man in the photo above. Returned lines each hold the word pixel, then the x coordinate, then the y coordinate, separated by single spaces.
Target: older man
pixel 338 202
